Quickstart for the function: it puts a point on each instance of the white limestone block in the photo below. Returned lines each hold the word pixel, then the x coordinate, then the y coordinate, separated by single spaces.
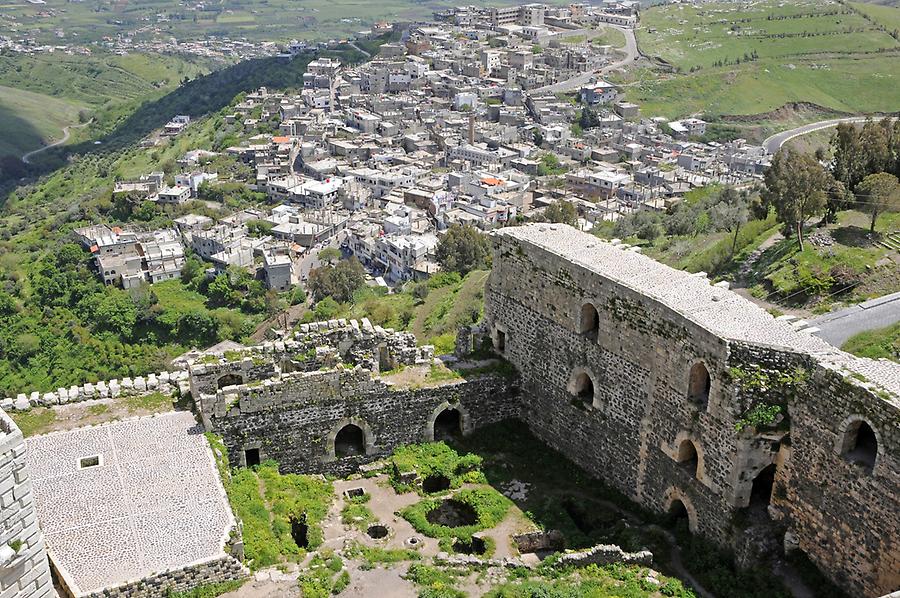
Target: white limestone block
pixel 89 390
pixel 74 393
pixel 127 384
pixel 114 388
pixel 50 398
pixel 7 404
pixel 152 382
pixel 164 376
pixel 22 403
pixel 140 383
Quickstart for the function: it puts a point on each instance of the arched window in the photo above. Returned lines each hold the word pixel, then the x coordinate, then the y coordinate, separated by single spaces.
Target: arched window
pixel 687 457
pixel 350 441
pixel 589 323
pixel 583 388
pixel 229 380
pixel 448 425
pixel 699 384
pixel 677 511
pixel 860 445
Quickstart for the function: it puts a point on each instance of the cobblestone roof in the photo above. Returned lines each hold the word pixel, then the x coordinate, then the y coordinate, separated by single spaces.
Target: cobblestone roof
pixel 714 308
pixel 154 503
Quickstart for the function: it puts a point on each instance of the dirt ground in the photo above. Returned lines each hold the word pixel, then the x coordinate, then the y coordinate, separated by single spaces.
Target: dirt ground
pixel 43 420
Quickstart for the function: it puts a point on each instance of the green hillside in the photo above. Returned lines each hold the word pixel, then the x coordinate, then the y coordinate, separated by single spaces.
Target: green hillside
pixel 28 119
pixel 41 94
pixel 741 58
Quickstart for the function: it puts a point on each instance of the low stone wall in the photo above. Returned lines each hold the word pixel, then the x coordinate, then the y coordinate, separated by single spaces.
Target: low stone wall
pixel 164 382
pixel 606 554
pixel 219 570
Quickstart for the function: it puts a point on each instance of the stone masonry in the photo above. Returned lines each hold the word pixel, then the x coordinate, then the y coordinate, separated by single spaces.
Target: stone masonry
pixel 652 379
pixel 24 568
pixel 289 400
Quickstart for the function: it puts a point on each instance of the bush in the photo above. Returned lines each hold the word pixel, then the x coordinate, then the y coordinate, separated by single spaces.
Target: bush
pixel 489 505
pixel 434 458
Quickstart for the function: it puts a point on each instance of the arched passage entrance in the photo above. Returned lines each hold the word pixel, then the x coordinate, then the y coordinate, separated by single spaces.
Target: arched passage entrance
pixel 447 418
pixel 448 425
pixel 350 441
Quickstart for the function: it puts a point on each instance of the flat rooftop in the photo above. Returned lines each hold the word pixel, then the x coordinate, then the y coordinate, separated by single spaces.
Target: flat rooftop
pixel 152 502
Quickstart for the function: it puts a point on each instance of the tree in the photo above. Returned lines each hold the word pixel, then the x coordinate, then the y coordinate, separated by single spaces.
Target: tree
pixel 538 137
pixel 462 249
pixel 563 212
pixel 837 198
pixel 879 193
pixel 849 158
pixel 795 186
pixel 330 255
pixel 337 281
pixel 875 141
pixel 731 213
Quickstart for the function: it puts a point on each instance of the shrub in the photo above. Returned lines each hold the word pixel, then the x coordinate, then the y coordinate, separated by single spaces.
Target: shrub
pixel 489 505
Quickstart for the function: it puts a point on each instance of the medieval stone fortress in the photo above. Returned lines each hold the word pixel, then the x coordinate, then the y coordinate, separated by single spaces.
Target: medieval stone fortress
pixel 644 376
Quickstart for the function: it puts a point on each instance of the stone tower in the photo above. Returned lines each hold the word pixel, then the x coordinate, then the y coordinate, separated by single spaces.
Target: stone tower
pixel 24 568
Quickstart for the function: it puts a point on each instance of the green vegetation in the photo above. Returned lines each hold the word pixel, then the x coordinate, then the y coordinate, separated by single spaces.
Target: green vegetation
pixel 433 459
pixel 463 248
pixel 880 343
pixel 154 401
pixel 488 505
pixel 208 590
pixel 373 555
pixel 594 581
pixel 769 54
pixel 436 582
pixel 325 576
pixel 34 421
pixel 356 513
pixel 272 507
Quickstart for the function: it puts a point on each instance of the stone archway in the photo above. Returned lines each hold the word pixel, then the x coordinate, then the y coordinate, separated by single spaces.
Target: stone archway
pixel 687 452
pixel 229 380
pixel 446 406
pixel 675 500
pixel 583 384
pixel 347 426
pixel 859 442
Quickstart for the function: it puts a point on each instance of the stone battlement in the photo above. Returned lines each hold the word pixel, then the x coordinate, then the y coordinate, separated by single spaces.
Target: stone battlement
pixel 691 399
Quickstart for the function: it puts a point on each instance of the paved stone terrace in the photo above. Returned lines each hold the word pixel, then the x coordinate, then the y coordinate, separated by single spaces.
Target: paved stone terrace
pixel 154 503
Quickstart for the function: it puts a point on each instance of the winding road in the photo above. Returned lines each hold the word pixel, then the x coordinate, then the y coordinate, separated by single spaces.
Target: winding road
pixel 774 143
pixel 66 133
pixel 575 83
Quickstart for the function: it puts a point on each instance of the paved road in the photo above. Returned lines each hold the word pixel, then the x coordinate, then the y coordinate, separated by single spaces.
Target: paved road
pixel 27 157
pixel 774 143
pixel 575 83
pixel 838 327
pixel 358 49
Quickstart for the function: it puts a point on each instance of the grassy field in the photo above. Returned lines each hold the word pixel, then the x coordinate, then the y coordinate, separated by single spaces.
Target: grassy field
pixel 274 20
pixel 28 119
pixel 750 58
pixel 39 95
pixel 880 343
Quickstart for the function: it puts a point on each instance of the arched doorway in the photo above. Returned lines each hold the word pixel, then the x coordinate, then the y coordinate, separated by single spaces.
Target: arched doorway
pixel 761 492
pixel 229 380
pixel 699 385
pixel 582 386
pixel 448 425
pixel 860 445
pixel 349 442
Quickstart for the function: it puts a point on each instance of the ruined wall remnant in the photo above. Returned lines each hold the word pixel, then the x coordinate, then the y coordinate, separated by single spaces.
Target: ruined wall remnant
pixel 24 568
pixel 315 403
pixel 690 399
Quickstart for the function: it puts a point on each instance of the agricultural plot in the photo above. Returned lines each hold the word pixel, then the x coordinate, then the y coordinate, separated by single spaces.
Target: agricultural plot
pixel 752 57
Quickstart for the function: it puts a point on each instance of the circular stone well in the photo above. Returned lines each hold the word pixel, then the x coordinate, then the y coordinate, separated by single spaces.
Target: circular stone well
pixel 435 483
pixel 377 532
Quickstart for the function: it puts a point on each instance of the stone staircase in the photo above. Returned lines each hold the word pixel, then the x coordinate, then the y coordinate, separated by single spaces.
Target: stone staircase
pixel 891 241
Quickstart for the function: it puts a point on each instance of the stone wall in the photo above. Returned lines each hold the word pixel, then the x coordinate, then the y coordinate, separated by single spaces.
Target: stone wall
pixel 295 419
pixel 164 382
pixel 210 572
pixel 635 424
pixel 24 569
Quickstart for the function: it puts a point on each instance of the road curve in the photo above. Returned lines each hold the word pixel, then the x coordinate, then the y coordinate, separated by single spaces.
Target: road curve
pixel 774 142
pixel 27 157
pixel 575 83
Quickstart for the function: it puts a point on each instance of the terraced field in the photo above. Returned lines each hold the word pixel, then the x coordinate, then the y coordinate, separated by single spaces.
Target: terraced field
pixel 753 57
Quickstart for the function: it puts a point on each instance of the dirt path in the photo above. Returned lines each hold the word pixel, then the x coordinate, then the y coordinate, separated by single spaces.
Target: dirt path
pixel 66 133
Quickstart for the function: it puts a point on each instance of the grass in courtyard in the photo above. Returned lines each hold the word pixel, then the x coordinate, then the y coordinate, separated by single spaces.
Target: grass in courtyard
pixel 209 590
pixel 880 343
pixel 487 506
pixel 154 402
pixel 432 460
pixel 373 555
pixel 35 421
